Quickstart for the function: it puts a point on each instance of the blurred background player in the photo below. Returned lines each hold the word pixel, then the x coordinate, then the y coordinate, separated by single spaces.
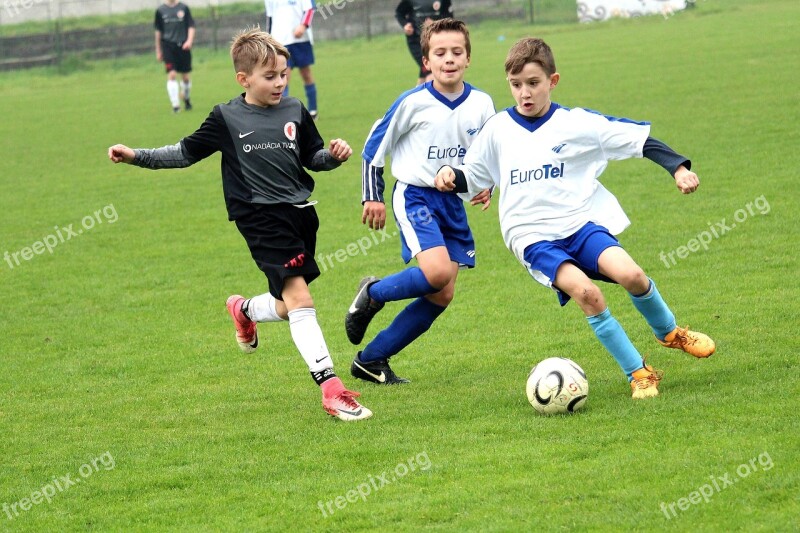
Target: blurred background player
pixel 175 32
pixel 290 23
pixel 265 141
pixel 556 216
pixel 412 16
pixel 427 127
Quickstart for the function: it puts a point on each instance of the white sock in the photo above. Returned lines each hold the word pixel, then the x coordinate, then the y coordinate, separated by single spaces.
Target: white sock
pixel 173 90
pixel 263 308
pixel 186 87
pixel 308 338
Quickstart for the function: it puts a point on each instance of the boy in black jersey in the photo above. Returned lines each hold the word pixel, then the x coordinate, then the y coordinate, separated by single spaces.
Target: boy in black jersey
pixel 412 15
pixel 175 32
pixel 266 140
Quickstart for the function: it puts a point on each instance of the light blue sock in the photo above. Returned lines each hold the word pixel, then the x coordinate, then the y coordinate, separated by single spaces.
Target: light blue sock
pixel 616 341
pixel 407 326
pixel 408 283
pixel 311 95
pixel 655 311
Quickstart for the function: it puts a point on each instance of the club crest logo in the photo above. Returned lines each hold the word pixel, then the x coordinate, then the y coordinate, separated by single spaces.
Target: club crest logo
pixel 180 14
pixel 290 130
pixel 436 5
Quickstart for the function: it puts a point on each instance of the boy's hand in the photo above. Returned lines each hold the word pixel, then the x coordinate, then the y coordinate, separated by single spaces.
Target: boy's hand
pixel 340 150
pixel 374 215
pixel 408 29
pixel 445 180
pixel 686 180
pixel 484 197
pixel 299 31
pixel 119 153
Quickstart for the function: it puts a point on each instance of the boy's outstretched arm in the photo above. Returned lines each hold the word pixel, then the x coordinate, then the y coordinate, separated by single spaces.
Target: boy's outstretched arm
pixel 677 165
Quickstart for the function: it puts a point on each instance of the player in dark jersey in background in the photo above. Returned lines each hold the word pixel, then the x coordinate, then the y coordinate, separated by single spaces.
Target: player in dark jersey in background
pixel 412 15
pixel 174 38
pixel 266 140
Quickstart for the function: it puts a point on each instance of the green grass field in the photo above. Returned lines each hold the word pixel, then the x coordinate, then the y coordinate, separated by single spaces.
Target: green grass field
pixel 126 405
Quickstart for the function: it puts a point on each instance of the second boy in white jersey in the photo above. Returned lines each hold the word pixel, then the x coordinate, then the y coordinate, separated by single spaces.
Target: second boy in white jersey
pixel 558 219
pixel 427 127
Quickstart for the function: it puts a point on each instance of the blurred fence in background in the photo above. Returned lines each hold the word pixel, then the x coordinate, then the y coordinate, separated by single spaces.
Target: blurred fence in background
pixel 57 32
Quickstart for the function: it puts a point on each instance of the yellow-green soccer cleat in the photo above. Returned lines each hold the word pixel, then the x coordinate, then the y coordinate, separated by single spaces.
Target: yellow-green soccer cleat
pixel 692 342
pixel 645 382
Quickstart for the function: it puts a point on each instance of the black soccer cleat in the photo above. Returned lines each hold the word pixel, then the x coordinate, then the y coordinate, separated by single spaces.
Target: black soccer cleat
pixel 188 104
pixel 375 372
pixel 361 311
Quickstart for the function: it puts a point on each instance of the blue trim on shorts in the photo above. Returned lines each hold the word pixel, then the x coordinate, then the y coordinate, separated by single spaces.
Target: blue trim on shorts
pixel 300 54
pixel 583 249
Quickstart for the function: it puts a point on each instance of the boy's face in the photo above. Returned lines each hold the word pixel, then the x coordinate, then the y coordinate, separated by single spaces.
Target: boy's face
pixel 264 86
pixel 531 89
pixel 447 59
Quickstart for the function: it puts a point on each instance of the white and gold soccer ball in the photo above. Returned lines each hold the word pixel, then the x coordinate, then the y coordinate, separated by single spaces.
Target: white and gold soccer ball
pixel 557 386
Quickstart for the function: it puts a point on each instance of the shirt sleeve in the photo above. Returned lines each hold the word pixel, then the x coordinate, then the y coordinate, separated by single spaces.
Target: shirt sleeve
pixel 620 138
pixel 404 13
pixel 158 24
pixel 380 142
pixel 187 19
pixel 480 163
pixel 206 140
pixel 664 156
pixel 309 140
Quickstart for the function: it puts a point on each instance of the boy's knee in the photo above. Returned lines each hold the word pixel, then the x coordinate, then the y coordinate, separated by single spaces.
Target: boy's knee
pixel 635 281
pixel 443 297
pixel 439 276
pixel 589 298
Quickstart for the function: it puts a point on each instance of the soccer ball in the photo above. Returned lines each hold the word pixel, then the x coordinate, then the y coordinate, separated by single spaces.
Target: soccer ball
pixel 556 386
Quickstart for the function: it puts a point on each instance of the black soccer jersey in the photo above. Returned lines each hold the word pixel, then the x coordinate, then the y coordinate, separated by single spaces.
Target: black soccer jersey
pixel 416 11
pixel 174 22
pixel 264 150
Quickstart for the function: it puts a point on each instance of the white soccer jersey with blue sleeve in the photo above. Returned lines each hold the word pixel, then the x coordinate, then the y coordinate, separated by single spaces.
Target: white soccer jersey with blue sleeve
pixel 547 171
pixel 422 131
pixel 286 15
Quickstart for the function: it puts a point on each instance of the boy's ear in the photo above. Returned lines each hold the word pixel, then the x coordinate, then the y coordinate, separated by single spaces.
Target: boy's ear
pixel 425 63
pixel 241 79
pixel 554 80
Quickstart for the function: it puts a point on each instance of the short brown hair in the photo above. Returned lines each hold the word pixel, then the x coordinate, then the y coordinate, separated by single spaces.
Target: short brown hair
pixel 530 50
pixel 439 26
pixel 255 48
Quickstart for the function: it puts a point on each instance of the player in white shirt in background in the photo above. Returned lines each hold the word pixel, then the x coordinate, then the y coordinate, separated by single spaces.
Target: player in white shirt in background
pixel 558 219
pixel 290 24
pixel 427 127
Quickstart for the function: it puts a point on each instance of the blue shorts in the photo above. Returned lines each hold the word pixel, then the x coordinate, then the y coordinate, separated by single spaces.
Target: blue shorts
pixel 428 218
pixel 583 249
pixel 300 54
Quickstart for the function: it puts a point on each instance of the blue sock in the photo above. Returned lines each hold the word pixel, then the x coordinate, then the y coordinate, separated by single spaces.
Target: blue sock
pixel 408 283
pixel 655 311
pixel 286 90
pixel 616 341
pixel 412 322
pixel 311 94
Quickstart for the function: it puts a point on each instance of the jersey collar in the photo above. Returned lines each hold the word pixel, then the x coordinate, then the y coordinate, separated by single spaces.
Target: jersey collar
pixel 446 101
pixel 532 125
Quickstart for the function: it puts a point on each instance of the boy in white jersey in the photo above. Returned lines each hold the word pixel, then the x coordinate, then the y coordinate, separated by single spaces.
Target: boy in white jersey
pixel 290 23
pixel 426 127
pixel 555 215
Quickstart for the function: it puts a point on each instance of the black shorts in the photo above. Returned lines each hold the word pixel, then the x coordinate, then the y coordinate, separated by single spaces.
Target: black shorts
pixel 176 58
pixel 415 47
pixel 282 239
